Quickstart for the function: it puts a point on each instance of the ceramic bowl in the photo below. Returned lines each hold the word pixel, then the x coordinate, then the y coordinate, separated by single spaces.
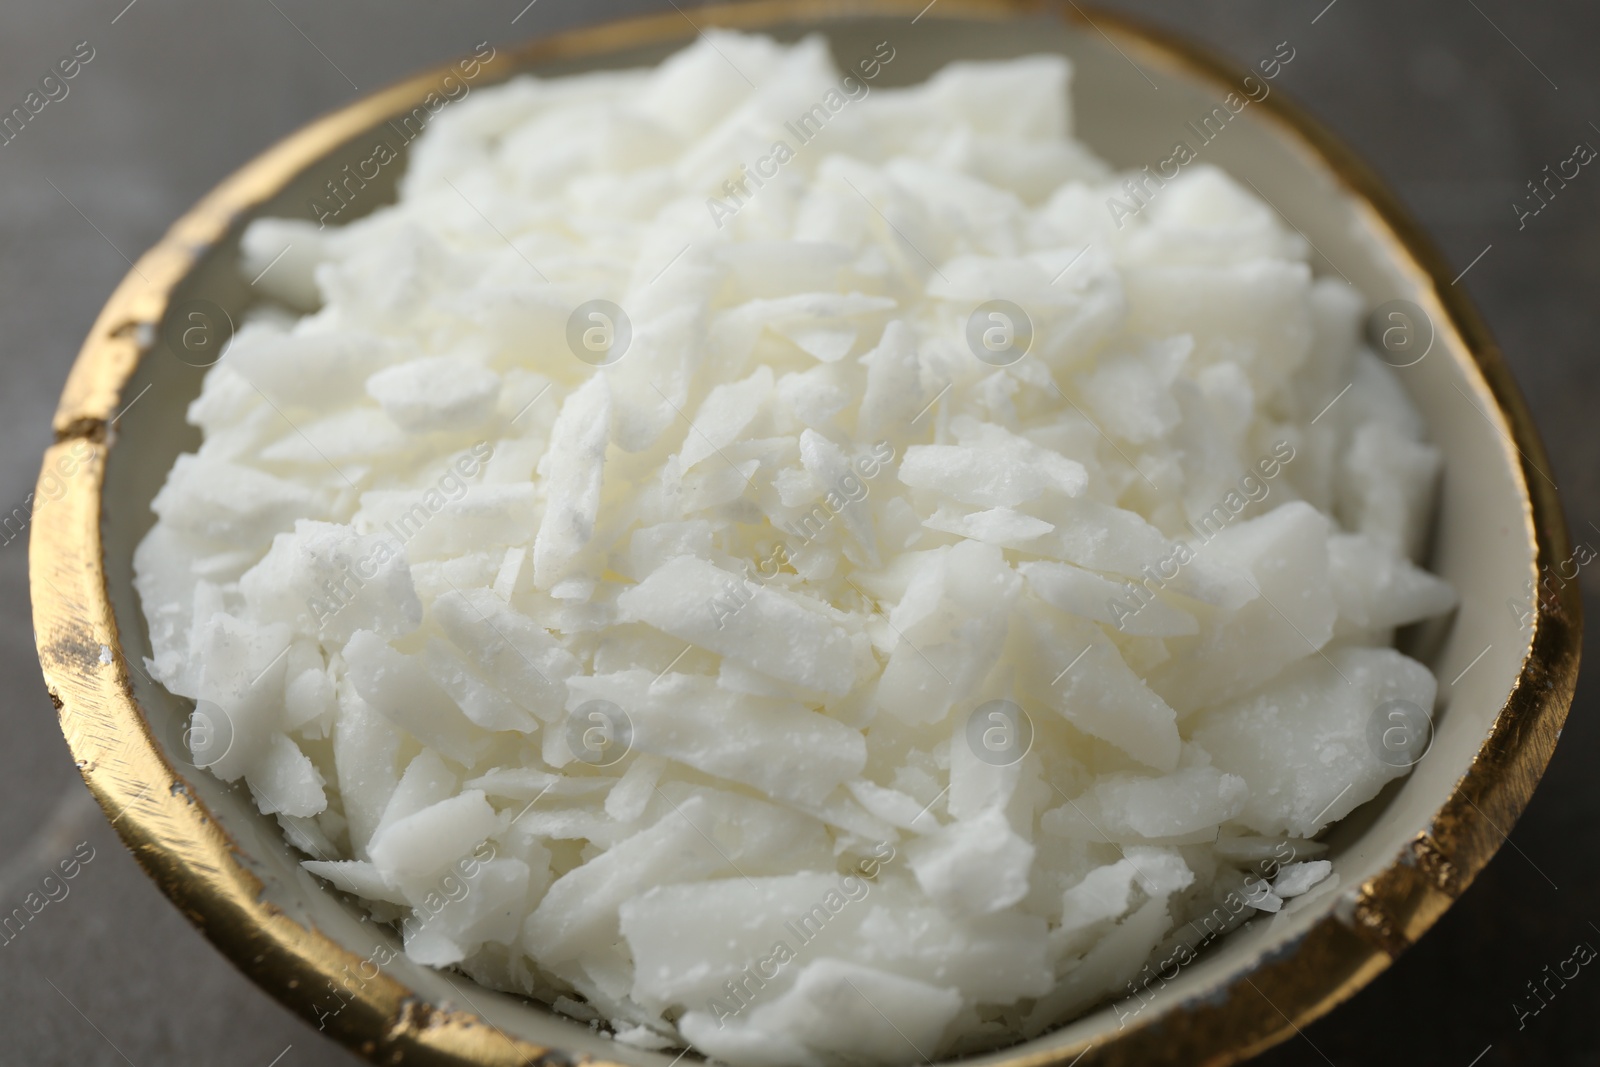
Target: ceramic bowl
pixel 1507 660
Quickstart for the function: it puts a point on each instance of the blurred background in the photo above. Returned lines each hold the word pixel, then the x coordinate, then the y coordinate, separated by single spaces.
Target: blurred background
pixel 1458 104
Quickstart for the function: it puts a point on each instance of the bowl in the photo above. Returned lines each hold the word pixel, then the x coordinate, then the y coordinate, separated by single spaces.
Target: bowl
pixel 1507 661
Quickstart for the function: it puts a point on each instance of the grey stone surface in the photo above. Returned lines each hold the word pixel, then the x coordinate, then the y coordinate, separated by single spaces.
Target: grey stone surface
pixel 1456 104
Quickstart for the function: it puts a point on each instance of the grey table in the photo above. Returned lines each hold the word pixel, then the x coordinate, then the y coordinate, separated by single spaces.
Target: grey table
pixel 1458 103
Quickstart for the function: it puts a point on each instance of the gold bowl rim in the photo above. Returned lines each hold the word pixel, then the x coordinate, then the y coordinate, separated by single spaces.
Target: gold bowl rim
pixel 198 864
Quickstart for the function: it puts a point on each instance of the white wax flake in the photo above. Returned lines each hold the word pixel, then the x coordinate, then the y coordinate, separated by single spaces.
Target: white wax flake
pixel 724 415
pixel 834 472
pixel 993 526
pixel 1104 893
pixel 572 470
pixel 1297 879
pixel 1303 742
pixel 892 395
pixel 1000 472
pixel 331 581
pixel 438 393
pixel 763 628
pixel 1188 802
pixel 824 576
pixel 286 781
pixel 1092 596
pixel 773 745
pixel 978 866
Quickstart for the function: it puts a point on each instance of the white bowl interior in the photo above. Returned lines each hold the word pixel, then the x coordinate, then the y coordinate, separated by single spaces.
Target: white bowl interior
pixel 1482 542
